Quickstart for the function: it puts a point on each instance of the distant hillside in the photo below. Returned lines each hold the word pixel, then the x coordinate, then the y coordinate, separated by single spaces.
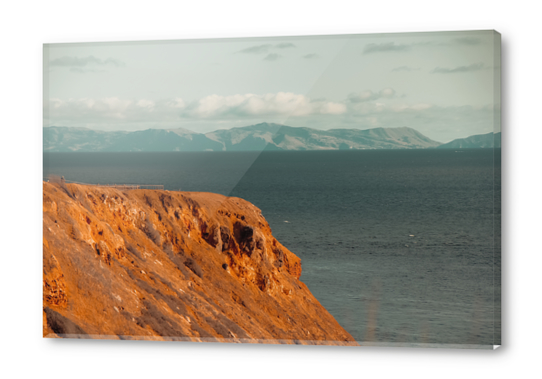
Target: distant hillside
pixel 264 136
pixel 65 139
pixel 282 137
pixel 476 141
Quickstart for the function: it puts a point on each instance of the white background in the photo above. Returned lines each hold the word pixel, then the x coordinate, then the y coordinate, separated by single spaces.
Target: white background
pixel 26 25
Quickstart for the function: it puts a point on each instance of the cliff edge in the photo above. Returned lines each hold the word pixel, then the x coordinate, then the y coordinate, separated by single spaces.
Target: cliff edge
pixel 147 264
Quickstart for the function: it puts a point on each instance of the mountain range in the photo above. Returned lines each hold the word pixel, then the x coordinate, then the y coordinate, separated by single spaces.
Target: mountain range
pixel 476 141
pixel 263 136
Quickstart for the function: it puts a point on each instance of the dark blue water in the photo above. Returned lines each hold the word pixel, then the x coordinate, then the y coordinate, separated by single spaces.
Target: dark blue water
pixel 401 246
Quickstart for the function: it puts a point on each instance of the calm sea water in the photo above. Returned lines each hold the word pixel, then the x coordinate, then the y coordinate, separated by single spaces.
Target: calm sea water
pixel 400 246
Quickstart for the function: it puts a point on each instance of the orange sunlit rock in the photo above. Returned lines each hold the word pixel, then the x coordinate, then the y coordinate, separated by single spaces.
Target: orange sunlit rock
pixel 160 265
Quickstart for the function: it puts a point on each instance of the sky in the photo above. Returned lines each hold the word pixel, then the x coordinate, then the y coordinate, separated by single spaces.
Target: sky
pixel 446 85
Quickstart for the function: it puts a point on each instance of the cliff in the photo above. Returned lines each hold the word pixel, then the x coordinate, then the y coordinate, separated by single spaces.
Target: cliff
pixel 145 264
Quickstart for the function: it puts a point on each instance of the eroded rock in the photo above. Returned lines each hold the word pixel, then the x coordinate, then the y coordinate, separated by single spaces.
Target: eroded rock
pixel 145 264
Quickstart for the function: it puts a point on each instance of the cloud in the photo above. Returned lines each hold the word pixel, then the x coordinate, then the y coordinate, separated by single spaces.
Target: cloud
pixel 260 49
pixel 110 108
pixel 284 45
pixel 281 103
pixel 467 41
pixel 385 47
pixel 459 69
pixel 272 57
pixel 263 49
pixel 67 61
pixel 393 47
pixel 117 110
pixel 80 70
pixel 310 56
pixel 387 92
pixel 405 68
pixel 379 110
pixel 369 95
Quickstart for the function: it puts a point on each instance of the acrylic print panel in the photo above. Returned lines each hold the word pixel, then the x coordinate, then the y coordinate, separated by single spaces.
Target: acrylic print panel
pixel 338 190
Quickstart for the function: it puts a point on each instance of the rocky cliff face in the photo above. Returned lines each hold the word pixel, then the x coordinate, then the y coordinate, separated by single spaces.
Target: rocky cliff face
pixel 145 264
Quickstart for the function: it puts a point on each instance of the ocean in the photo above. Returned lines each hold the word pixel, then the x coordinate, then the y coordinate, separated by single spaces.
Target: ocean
pixel 402 247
